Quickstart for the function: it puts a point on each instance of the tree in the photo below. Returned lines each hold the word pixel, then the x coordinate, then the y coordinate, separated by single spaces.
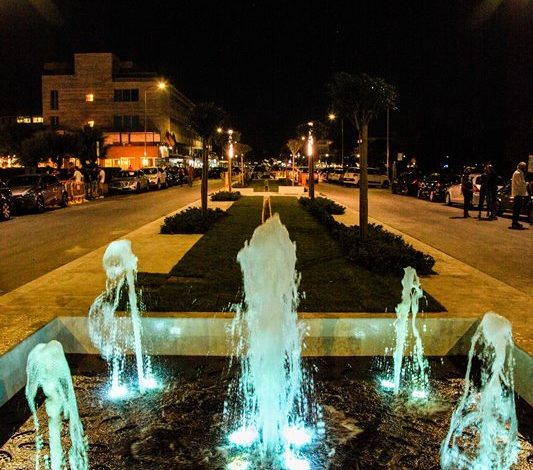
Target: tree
pixel 360 98
pixel 204 119
pixel 294 146
pixel 44 146
pixel 87 143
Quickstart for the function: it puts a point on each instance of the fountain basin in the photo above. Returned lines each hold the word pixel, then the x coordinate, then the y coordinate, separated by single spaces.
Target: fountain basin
pixel 191 354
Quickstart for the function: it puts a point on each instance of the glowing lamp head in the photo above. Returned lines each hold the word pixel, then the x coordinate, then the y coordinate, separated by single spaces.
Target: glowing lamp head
pixel 161 85
pixel 230 131
pixel 219 130
pixel 332 117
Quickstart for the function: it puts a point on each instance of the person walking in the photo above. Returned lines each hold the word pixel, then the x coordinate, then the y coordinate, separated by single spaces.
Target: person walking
pixel 483 192
pixel 190 174
pixel 101 181
pixel 518 192
pixel 79 188
pixel 492 191
pixel 180 176
pixel 467 189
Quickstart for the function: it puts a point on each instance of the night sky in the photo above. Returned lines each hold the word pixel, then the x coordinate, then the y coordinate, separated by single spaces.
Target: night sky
pixel 458 65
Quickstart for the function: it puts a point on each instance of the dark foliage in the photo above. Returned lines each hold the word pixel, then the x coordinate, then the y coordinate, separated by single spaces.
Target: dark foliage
pixel 382 252
pixel 226 196
pixel 191 220
pixel 322 203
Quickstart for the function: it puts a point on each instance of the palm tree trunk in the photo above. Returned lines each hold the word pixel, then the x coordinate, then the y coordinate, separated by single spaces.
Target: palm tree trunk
pixel 363 184
pixel 205 169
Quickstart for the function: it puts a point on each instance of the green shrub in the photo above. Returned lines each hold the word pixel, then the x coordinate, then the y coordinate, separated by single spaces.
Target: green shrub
pixel 381 252
pixel 321 203
pixel 191 220
pixel 226 196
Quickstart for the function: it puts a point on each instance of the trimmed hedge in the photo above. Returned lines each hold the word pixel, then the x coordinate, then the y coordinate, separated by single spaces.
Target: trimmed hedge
pixel 191 220
pixel 382 252
pixel 322 203
pixel 225 196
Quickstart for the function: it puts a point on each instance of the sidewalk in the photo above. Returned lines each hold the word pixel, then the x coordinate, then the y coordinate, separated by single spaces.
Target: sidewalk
pixel 465 291
pixel 72 288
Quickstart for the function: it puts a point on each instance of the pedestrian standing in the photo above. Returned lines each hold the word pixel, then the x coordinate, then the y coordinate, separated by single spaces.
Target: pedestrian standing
pixel 518 192
pixel 467 188
pixel 180 175
pixel 101 181
pixel 492 192
pixel 78 185
pixel 483 191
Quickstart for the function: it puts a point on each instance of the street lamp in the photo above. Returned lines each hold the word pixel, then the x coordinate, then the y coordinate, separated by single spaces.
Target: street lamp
pixel 230 156
pixel 161 85
pixel 310 165
pixel 333 117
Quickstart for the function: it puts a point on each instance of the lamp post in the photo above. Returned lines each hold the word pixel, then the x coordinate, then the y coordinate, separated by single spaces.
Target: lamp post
pixel 333 117
pixel 160 86
pixel 388 146
pixel 311 163
pixel 230 156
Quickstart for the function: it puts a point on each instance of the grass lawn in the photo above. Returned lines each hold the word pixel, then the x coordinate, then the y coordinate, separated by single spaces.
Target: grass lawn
pixel 209 279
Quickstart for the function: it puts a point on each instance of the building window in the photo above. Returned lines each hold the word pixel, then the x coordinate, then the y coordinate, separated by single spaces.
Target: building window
pixel 54 99
pixel 126 122
pixel 127 94
pixel 37 119
pixel 54 120
pixel 89 98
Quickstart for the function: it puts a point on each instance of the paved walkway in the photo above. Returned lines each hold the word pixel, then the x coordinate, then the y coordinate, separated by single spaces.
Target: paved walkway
pixel 72 288
pixel 465 291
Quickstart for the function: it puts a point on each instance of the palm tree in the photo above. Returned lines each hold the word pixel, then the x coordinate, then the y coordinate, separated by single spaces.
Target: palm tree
pixel 360 98
pixel 294 146
pixel 204 119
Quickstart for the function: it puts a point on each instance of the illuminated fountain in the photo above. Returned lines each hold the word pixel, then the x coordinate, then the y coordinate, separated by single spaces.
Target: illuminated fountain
pixel 47 369
pixel 416 369
pixel 269 407
pixel 483 431
pixel 114 335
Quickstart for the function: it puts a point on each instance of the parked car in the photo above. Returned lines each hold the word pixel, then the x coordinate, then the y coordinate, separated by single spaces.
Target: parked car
pixel 435 185
pixel 454 195
pixel 336 176
pixel 37 192
pixel 375 177
pixel 6 201
pixel 505 203
pixel 407 183
pixel 157 177
pixel 128 181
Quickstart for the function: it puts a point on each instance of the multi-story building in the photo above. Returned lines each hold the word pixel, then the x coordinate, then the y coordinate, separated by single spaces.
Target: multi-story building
pixel 143 118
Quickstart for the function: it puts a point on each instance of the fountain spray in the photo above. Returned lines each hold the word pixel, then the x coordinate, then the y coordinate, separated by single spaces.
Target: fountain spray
pixel 418 368
pixel 111 334
pixel 483 431
pixel 271 403
pixel 47 369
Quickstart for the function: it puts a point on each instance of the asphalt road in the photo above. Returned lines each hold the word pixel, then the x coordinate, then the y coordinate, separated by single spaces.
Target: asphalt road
pixel 486 245
pixel 34 244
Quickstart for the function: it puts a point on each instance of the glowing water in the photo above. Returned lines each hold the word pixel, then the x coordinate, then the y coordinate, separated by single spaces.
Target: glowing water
pixel 109 333
pixel 483 429
pixel 418 368
pixel 47 369
pixel 270 403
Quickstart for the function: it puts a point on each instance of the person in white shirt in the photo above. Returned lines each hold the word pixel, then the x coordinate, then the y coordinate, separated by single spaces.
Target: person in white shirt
pixel 518 191
pixel 101 181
